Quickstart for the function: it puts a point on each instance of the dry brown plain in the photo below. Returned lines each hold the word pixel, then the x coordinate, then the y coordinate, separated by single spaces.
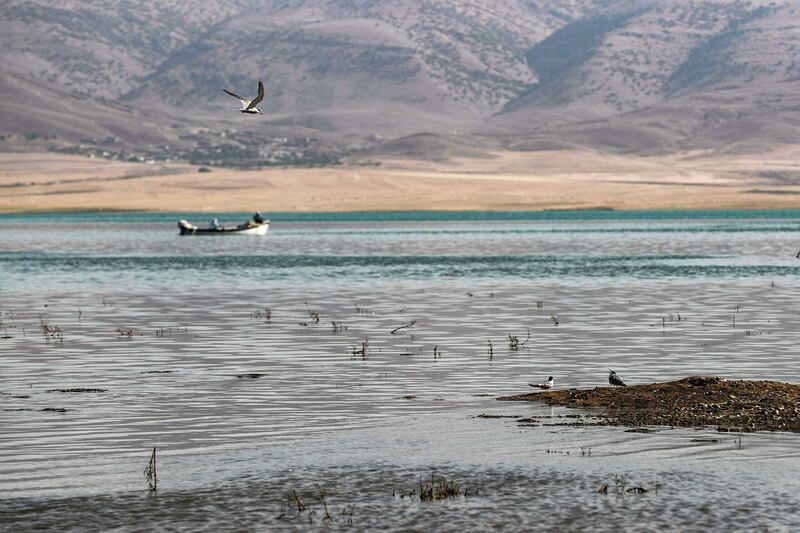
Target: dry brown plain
pixel 41 182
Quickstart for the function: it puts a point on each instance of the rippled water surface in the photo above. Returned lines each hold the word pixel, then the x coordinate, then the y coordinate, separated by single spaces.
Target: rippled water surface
pixel 351 354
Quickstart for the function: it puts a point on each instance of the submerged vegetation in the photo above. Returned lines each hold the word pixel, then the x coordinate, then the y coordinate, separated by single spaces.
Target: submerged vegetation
pixel 438 489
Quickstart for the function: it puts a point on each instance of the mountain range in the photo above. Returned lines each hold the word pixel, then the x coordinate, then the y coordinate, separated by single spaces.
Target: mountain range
pixel 391 77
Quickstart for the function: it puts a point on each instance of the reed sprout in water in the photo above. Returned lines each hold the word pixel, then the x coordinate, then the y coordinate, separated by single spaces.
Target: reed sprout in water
pixel 325 505
pixel 126 332
pixel 295 504
pixel 361 351
pixel 404 326
pixel 438 489
pixel 621 485
pixel 300 506
pixel 312 314
pixel 52 333
pixel 163 332
pixel 266 314
pixel 363 310
pixel 150 473
pixel 407 351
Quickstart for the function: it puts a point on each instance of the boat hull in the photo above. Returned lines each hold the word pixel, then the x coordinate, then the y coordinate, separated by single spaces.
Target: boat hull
pixel 243 229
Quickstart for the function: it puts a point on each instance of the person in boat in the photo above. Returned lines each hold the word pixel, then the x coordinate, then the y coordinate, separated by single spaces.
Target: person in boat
pixel 257 218
pixel 214 225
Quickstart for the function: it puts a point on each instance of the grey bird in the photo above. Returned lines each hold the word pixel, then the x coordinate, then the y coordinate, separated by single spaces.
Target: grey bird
pixel 249 106
pixel 614 379
pixel 546 385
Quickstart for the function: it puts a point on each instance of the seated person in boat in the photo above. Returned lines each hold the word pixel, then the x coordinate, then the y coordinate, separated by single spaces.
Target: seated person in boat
pixel 215 224
pixel 257 218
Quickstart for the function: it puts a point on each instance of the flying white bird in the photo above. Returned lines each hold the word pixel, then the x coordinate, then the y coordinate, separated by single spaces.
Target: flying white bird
pixel 614 379
pixel 546 385
pixel 249 106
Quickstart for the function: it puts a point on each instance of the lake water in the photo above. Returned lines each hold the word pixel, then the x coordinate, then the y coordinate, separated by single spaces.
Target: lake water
pixel 242 360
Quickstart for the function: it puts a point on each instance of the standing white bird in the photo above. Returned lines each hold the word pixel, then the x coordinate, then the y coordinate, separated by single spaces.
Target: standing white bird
pixel 614 379
pixel 249 106
pixel 546 385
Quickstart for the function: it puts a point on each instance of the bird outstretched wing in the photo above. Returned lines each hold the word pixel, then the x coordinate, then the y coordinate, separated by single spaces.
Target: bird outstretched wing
pixel 258 98
pixel 245 102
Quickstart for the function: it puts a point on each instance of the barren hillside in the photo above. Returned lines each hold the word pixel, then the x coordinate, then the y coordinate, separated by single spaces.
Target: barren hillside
pixel 341 75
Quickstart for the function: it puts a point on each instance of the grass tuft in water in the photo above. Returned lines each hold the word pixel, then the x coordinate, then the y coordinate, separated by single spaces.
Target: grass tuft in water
pixel 513 343
pixel 52 333
pixel 438 489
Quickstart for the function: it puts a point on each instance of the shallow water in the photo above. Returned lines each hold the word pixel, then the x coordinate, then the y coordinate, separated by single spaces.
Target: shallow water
pixel 166 325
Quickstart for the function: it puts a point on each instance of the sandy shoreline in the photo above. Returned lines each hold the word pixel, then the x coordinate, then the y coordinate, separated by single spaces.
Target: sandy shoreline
pixel 510 181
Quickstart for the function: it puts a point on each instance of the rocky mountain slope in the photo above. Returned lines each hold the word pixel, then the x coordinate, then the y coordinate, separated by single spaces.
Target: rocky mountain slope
pixel 614 75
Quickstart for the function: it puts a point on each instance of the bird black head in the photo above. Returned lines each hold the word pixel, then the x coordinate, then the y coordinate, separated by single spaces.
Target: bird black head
pixel 550 378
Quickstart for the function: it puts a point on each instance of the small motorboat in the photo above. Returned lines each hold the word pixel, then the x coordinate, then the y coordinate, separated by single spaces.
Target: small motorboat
pixel 248 228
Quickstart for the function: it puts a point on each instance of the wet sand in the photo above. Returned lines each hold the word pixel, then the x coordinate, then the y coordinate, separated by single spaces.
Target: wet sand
pixel 507 181
pixel 737 405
